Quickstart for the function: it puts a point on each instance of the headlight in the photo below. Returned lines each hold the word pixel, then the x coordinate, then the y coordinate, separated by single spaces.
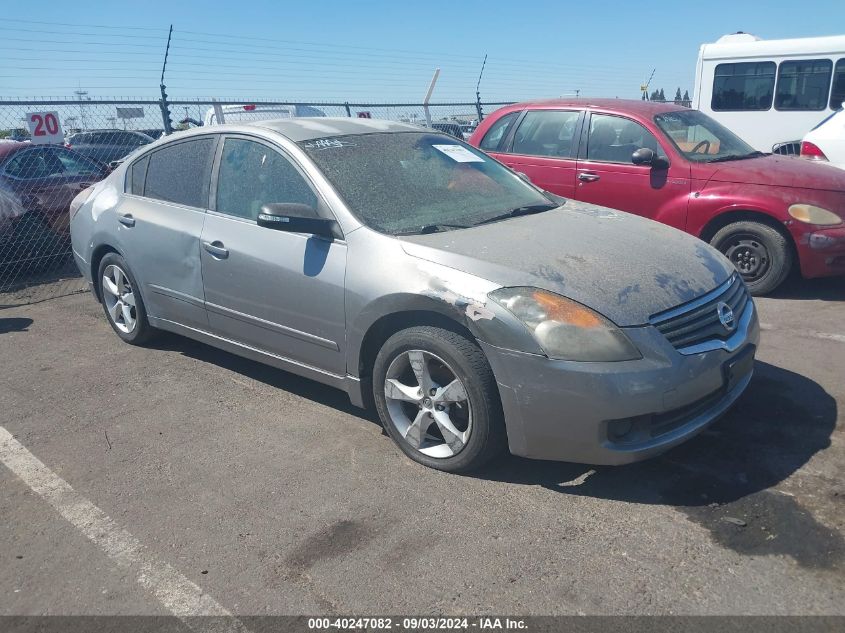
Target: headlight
pixel 565 329
pixel 813 215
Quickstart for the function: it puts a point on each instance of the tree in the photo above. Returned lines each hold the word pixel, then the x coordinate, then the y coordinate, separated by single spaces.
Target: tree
pixel 655 95
pixel 678 97
pixel 687 100
pixel 662 95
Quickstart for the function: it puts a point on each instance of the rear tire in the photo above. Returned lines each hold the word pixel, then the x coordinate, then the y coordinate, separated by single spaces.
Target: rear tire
pixel 122 302
pixel 761 254
pixel 454 429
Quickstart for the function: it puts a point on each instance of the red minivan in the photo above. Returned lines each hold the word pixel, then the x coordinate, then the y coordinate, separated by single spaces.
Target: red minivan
pixel 675 165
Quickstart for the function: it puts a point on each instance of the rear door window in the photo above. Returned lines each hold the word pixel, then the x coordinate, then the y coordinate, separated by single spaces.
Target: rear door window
pixel 803 84
pixel 547 133
pixel 743 86
pixel 181 172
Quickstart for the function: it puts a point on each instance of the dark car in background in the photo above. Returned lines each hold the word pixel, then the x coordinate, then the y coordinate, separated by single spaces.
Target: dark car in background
pixel 452 129
pixel 106 146
pixel 37 185
pixel 153 133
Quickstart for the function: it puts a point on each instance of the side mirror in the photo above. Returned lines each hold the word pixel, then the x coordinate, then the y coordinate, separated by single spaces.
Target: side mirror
pixel 646 156
pixel 294 217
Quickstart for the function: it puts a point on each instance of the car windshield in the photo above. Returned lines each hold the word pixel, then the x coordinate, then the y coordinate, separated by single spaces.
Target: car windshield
pixel 701 139
pixel 406 182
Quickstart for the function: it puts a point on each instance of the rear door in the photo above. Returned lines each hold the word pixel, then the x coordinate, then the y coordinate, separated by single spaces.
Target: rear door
pixel 608 177
pixel 277 292
pixel 544 147
pixel 159 222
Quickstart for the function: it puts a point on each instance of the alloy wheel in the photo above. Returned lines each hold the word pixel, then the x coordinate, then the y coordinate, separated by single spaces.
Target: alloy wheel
pixel 119 298
pixel 428 404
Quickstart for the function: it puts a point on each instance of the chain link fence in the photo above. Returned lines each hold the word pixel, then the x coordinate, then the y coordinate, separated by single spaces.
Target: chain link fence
pixel 51 150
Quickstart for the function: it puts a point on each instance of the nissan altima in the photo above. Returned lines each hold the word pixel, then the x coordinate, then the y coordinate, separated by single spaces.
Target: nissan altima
pixel 473 310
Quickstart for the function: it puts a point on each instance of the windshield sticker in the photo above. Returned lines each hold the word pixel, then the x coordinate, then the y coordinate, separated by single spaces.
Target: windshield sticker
pixel 459 153
pixel 327 143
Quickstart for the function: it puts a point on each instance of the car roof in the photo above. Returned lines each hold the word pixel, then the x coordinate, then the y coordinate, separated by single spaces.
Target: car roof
pixel 307 128
pixel 631 106
pixel 10 147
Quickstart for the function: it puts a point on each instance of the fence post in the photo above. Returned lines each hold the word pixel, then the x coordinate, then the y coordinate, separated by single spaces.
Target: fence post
pixel 348 111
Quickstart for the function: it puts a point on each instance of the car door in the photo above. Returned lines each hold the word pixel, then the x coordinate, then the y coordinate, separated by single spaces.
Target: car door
pixel 544 147
pixel 159 223
pixel 278 292
pixel 608 177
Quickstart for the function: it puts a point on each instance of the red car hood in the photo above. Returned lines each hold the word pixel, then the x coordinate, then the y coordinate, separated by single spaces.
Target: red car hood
pixel 782 171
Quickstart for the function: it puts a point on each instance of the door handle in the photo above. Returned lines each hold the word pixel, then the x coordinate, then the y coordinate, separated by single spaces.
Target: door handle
pixel 216 248
pixel 586 176
pixel 126 220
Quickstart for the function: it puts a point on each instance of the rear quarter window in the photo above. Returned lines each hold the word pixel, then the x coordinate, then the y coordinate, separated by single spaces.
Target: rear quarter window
pixel 496 133
pixel 136 176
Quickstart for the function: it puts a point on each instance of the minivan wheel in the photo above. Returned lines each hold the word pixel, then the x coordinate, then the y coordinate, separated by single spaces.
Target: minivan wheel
pixel 760 253
pixel 437 398
pixel 122 302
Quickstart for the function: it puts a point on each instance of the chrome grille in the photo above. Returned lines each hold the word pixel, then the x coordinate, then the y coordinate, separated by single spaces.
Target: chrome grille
pixel 698 321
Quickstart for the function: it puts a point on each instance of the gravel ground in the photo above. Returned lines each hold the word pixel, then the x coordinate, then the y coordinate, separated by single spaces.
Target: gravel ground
pixel 274 495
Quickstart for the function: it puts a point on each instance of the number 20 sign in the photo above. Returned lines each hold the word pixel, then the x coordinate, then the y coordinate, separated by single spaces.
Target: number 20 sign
pixel 44 127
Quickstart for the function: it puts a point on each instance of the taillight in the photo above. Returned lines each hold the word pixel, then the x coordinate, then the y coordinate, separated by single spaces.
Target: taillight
pixel 811 151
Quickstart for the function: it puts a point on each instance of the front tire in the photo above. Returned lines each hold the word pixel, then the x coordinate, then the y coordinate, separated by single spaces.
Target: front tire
pixel 761 254
pixel 437 399
pixel 122 301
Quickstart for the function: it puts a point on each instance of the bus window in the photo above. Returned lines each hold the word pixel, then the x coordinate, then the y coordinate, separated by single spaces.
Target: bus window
pixel 803 84
pixel 837 94
pixel 743 86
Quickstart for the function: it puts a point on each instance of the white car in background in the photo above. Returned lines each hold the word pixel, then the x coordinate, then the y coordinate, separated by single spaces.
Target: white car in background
pixel 826 141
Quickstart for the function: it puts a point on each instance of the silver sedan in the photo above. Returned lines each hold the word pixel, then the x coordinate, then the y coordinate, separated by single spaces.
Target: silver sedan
pixel 473 310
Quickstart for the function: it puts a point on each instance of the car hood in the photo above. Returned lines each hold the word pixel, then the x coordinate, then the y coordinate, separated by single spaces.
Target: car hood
pixel 783 171
pixel 623 266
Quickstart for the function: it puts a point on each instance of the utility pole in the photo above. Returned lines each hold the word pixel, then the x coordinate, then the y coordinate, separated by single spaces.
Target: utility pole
pixel 80 95
pixel 165 110
pixel 428 96
pixel 478 91
pixel 644 87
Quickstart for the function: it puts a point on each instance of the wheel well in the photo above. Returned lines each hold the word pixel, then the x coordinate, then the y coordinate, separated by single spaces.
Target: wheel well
pixel 96 257
pixel 721 221
pixel 388 325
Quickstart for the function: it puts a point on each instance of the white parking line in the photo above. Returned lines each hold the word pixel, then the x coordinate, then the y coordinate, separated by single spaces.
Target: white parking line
pixel 179 595
pixel 827 336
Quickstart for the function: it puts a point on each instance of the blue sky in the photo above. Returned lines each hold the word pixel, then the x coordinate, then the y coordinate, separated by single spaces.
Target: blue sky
pixel 378 50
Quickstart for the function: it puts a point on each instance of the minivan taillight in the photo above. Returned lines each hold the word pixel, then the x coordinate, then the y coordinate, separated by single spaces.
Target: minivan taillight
pixel 811 151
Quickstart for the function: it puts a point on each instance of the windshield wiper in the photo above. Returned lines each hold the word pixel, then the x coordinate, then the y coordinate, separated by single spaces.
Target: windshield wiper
pixel 425 229
pixel 723 159
pixel 526 210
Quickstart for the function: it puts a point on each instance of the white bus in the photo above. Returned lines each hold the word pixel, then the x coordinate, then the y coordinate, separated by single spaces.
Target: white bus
pixel 770 92
pixel 259 112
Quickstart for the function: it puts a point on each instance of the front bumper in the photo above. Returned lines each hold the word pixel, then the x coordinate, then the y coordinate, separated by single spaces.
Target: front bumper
pixel 822 252
pixel 579 412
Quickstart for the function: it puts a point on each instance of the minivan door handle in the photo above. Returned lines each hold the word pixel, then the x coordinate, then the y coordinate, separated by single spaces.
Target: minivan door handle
pixel 587 176
pixel 126 220
pixel 216 248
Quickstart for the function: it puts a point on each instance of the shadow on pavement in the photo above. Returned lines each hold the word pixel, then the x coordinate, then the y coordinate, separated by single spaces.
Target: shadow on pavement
pixel 14 324
pixel 824 289
pixel 722 478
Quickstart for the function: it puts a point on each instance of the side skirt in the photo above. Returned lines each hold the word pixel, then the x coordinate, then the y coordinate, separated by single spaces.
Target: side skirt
pixel 350 384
